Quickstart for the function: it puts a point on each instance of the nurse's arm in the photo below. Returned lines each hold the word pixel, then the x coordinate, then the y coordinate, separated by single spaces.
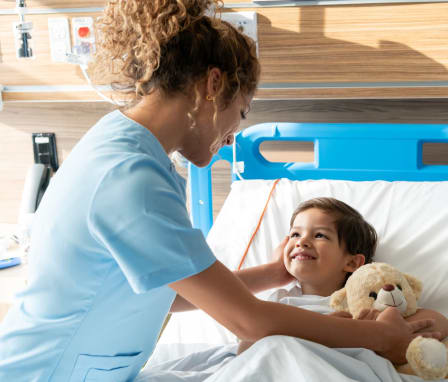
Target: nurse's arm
pixel 181 305
pixel 256 279
pixel 225 298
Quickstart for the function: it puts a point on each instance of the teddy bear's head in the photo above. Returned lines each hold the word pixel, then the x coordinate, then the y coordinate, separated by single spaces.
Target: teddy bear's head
pixel 377 286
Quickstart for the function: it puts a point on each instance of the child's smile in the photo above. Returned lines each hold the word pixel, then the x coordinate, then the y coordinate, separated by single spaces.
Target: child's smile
pixel 301 256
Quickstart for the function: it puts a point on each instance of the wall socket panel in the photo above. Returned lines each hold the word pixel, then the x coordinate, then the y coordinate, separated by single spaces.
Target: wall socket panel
pixel 245 22
pixel 59 33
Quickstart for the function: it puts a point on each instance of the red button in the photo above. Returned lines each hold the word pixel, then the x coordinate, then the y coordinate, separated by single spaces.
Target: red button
pixel 83 31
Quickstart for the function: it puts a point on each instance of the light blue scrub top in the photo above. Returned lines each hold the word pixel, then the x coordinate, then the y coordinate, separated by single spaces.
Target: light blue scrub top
pixel 110 233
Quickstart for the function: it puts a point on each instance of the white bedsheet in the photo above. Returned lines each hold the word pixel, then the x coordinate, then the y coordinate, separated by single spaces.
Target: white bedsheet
pixel 277 359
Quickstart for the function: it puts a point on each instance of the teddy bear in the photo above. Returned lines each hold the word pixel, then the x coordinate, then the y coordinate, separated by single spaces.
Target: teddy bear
pixel 380 285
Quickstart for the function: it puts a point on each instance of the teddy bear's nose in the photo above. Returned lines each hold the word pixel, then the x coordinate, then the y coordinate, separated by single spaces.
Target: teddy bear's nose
pixel 388 287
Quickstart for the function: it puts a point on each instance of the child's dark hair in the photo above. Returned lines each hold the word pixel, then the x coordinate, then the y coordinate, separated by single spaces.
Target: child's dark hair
pixel 354 232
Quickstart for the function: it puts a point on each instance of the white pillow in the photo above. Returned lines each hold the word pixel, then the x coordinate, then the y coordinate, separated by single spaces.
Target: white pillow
pixel 411 219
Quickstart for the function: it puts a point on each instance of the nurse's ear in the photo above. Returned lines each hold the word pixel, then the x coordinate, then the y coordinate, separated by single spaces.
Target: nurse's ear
pixel 214 81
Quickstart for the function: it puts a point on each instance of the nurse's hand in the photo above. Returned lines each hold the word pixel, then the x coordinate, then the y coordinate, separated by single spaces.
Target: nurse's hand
pixel 282 275
pixel 398 333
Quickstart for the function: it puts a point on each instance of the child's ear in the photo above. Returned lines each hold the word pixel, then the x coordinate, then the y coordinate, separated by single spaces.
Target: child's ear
pixel 354 262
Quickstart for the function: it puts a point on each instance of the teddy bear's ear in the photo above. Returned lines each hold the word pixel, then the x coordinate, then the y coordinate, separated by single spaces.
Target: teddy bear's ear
pixel 416 284
pixel 338 300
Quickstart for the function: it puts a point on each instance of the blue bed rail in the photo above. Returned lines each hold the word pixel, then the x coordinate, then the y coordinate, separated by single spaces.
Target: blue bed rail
pixel 349 151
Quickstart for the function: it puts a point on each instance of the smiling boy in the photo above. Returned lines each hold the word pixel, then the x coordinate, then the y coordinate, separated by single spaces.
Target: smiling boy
pixel 328 240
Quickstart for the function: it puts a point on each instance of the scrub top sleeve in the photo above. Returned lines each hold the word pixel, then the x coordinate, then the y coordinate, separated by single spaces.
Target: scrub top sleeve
pixel 139 217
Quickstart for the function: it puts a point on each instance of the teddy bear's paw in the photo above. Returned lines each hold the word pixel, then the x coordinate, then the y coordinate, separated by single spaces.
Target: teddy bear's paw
pixel 428 358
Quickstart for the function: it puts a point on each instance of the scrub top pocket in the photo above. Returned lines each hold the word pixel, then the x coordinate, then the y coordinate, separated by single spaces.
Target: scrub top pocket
pixel 97 368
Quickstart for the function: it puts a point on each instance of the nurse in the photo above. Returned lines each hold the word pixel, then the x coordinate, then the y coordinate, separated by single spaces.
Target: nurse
pixel 113 249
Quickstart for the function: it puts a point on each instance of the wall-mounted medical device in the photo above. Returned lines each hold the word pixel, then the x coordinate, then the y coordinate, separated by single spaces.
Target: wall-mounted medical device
pixel 83 35
pixel 39 174
pixel 44 149
pixel 59 33
pixel 22 33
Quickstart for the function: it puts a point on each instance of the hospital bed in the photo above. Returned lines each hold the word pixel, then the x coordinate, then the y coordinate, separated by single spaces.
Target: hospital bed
pixel 376 168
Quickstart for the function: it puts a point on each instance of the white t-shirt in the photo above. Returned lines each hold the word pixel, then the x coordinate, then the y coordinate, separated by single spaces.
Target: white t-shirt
pixel 292 295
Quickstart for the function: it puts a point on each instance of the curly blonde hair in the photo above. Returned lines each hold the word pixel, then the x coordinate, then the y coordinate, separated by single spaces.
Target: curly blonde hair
pixel 170 45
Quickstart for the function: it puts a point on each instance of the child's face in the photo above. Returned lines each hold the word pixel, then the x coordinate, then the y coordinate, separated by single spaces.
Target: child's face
pixel 313 254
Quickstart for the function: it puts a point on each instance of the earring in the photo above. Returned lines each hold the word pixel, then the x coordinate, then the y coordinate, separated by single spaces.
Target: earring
pixel 210 98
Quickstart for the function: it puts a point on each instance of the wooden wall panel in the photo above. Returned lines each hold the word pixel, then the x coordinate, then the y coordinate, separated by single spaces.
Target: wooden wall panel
pixel 378 43
pixel 324 46
pixel 49 4
pixel 71 120
pixel 352 93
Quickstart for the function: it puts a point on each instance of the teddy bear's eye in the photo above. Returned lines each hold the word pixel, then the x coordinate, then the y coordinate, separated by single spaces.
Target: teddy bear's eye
pixel 399 287
pixel 373 294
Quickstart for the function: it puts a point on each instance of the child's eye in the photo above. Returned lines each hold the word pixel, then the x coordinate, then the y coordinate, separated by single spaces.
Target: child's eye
pixel 294 234
pixel 319 235
pixel 243 115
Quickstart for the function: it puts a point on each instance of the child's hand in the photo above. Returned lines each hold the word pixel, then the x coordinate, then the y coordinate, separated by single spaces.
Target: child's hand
pixel 284 276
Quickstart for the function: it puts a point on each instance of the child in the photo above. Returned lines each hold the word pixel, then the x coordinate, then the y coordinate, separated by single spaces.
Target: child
pixel 328 241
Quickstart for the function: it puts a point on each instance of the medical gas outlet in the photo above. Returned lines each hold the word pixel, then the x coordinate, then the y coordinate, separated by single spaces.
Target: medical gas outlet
pixel 22 33
pixel 83 37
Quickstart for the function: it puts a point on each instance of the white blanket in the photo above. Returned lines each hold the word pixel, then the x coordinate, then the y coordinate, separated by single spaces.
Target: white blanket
pixel 277 359
pixel 196 367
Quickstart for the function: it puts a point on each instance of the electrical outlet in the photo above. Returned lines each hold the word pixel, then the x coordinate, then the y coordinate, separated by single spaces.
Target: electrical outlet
pixel 59 34
pixel 245 22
